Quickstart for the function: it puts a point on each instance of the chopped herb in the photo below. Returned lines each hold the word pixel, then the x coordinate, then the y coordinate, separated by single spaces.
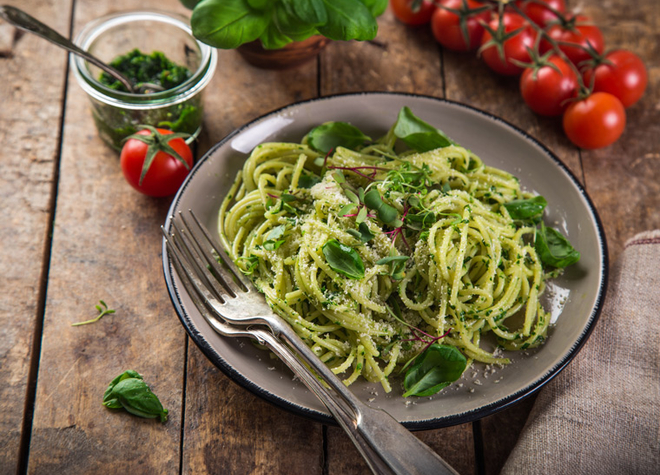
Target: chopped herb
pixel 104 310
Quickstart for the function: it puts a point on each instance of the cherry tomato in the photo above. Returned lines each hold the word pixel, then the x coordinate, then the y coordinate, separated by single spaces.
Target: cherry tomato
pixel 595 122
pixel 515 46
pixel 446 25
pixel 546 90
pixel 579 31
pixel 625 77
pixel 541 14
pixel 403 10
pixel 165 174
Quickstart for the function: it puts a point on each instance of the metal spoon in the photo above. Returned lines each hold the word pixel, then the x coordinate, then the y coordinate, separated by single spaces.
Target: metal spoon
pixel 22 20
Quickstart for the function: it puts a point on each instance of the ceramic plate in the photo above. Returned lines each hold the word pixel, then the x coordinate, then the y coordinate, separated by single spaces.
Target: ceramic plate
pixel 575 299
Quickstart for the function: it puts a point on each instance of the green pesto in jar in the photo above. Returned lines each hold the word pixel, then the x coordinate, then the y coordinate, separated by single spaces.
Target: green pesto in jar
pixel 140 68
pixel 115 124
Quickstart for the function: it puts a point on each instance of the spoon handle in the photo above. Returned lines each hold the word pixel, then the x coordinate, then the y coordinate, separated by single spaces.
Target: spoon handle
pixel 22 20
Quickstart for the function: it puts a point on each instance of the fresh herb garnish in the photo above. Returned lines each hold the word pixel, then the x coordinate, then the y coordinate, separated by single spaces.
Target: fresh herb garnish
pixel 397 265
pixel 130 392
pixel 331 135
pixel 386 213
pixel 554 249
pixel 435 368
pixel 526 210
pixel 102 309
pixel 417 134
pixel 362 233
pixel 273 240
pixel 343 259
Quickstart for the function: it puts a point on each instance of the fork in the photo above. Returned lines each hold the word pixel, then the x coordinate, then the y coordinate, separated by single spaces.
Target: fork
pixel 221 290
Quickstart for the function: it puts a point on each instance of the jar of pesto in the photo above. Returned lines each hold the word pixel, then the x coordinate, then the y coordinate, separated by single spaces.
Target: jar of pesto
pixel 163 36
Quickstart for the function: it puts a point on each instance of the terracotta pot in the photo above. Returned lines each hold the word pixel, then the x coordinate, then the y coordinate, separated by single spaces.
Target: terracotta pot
pixel 293 54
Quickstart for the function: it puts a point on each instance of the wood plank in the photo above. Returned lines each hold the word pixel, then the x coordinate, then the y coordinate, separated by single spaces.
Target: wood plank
pixel 29 131
pixel 624 179
pixel 227 429
pixel 402 59
pixel 106 245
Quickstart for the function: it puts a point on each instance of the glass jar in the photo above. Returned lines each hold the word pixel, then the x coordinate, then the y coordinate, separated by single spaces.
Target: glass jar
pixel 118 114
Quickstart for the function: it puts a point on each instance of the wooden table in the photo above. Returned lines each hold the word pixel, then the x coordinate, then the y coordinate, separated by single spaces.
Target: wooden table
pixel 74 232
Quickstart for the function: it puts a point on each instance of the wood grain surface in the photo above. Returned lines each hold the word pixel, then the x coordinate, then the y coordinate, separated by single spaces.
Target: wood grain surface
pixel 31 108
pixel 61 182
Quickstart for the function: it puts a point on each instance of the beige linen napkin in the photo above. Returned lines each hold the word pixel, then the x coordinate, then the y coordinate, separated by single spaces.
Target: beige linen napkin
pixel 601 415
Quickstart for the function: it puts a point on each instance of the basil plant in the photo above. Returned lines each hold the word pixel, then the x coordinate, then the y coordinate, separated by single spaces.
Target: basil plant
pixel 227 24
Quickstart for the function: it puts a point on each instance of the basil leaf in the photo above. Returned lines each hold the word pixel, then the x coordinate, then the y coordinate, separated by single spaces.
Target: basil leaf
pixel 307 180
pixel 129 391
pixel 554 249
pixel 417 134
pixel 331 135
pixel 258 4
pixel 386 213
pixel 311 12
pixel 348 20
pixel 343 259
pixel 291 25
pixel 111 401
pixel 228 24
pixel 273 241
pixel 273 38
pixel 376 7
pixel 362 233
pixel 437 367
pixel 525 210
pixel 136 397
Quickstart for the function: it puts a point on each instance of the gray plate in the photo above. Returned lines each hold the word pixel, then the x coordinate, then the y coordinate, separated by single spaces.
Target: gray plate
pixel 575 298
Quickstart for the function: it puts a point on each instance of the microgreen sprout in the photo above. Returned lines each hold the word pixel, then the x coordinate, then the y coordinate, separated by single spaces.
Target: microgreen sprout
pixel 102 309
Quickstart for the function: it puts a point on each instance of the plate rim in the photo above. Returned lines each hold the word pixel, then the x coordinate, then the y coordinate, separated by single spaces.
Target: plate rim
pixel 425 424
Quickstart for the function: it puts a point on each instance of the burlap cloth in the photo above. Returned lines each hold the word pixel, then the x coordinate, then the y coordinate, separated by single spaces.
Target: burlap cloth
pixel 601 415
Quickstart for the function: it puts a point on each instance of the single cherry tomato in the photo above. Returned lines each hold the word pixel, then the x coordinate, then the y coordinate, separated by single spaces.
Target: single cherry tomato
pixel 579 31
pixel 539 13
pixel 409 13
pixel 622 74
pixel 547 88
pixel 165 173
pixel 596 121
pixel 513 38
pixel 447 25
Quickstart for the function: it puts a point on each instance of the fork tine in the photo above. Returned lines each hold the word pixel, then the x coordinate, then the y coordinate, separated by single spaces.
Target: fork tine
pixel 200 244
pixel 217 248
pixel 178 259
pixel 182 244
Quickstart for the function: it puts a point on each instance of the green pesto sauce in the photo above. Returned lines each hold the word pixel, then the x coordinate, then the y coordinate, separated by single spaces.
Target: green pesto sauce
pixel 139 68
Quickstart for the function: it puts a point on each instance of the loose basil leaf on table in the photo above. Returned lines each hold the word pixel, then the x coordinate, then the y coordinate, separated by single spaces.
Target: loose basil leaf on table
pixel 417 134
pixel 331 135
pixel 343 259
pixel 435 368
pixel 130 392
pixel 526 210
pixel 554 249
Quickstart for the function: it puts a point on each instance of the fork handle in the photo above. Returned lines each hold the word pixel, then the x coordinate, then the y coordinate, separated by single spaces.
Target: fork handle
pixel 337 407
pixel 394 446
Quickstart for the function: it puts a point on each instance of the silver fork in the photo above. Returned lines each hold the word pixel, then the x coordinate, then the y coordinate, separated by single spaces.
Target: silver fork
pixel 222 290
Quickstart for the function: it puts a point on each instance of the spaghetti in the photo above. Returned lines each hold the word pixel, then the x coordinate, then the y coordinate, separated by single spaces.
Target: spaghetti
pixel 370 255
